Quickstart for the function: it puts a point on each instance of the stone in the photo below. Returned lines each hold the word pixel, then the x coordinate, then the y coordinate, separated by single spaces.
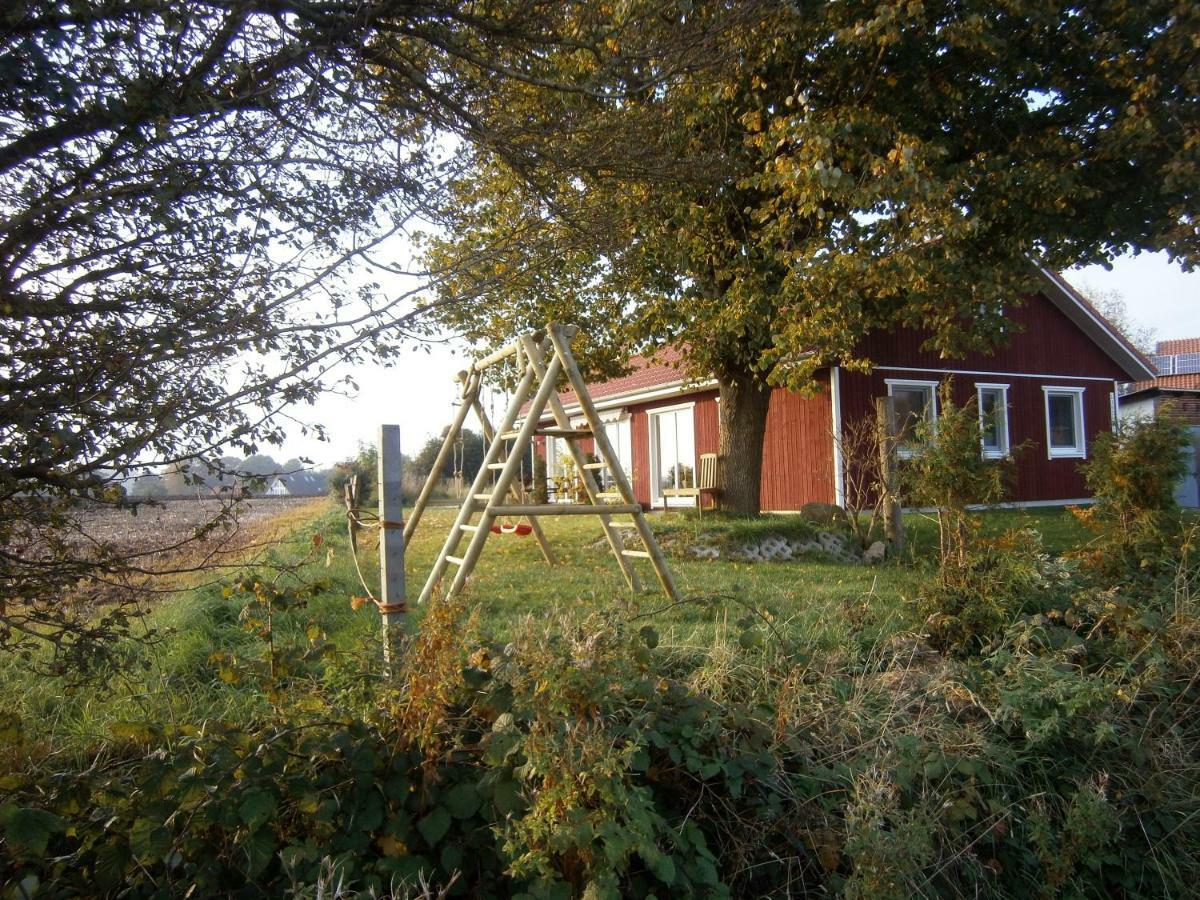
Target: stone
pixel 876 553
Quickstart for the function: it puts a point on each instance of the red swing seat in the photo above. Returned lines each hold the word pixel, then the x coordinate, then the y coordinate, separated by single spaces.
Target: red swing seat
pixel 520 529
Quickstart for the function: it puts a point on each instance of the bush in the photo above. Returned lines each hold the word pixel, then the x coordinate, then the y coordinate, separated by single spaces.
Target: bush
pixel 364 466
pixel 1132 474
pixel 950 474
pixel 582 759
pixel 981 585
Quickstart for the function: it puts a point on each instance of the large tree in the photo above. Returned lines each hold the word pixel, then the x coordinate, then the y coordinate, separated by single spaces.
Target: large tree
pixel 841 167
pixel 198 199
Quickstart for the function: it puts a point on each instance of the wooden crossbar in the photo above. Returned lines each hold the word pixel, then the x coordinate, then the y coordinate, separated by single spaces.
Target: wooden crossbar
pixel 566 509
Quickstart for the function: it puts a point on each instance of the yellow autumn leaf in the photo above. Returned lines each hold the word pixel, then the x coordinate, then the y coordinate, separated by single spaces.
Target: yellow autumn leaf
pixel 390 846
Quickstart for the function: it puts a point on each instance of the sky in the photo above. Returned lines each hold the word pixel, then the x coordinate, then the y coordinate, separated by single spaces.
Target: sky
pixel 419 391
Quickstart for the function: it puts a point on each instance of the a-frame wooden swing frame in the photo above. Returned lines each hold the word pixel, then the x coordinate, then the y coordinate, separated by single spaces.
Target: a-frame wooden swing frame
pixel 542 360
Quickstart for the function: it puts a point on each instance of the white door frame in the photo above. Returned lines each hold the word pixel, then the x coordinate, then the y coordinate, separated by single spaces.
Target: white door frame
pixel 656 497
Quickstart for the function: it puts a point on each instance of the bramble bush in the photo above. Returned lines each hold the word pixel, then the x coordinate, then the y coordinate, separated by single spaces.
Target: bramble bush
pixel 583 759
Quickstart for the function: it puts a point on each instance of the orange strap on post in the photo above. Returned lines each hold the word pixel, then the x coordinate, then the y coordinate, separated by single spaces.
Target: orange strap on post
pixel 385 608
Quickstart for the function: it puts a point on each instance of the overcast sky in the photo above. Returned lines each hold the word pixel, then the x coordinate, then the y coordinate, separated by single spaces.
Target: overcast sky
pixel 418 393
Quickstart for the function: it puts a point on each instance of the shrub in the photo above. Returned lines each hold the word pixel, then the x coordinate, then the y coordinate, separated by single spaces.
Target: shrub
pixel 950 474
pixel 865 488
pixel 1132 474
pixel 982 585
pixel 584 760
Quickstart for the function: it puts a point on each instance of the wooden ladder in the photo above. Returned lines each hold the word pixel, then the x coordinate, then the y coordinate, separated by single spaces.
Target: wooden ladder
pixel 544 361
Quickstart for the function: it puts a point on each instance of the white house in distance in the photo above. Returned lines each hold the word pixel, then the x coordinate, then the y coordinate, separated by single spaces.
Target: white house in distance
pixel 297 484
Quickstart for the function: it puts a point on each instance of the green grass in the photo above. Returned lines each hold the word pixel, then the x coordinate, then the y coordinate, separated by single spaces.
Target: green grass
pixel 1059 529
pixel 817 606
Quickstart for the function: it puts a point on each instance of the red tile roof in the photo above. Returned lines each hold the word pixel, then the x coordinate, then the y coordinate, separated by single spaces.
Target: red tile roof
pixel 1167 383
pixel 1178 346
pixel 646 373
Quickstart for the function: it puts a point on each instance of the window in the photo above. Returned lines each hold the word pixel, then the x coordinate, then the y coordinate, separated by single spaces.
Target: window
pixel 618 433
pixel 1064 422
pixel 993 419
pixel 559 466
pixel 914 402
pixel 672 455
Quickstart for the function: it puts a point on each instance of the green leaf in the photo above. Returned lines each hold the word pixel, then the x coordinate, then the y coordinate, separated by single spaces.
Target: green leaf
pixel 260 850
pixel 31 828
pixel 462 801
pixel 149 840
pixel 664 869
pixel 750 638
pixel 452 858
pixel 112 861
pixel 435 825
pixel 504 722
pixel 257 808
pixel 499 745
pixel 506 796
pixel 297 855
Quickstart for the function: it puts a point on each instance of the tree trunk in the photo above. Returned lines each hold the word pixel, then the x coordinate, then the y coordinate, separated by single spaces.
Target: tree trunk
pixel 744 403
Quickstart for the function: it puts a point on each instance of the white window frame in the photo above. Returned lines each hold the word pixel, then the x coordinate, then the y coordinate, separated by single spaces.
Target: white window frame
pixel 556 454
pixel 1002 427
pixel 1079 449
pixel 892 383
pixel 656 497
pixel 622 421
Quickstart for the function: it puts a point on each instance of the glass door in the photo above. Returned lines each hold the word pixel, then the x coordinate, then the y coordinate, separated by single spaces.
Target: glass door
pixel 672 456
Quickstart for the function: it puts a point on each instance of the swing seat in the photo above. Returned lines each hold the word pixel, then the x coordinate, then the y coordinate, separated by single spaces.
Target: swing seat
pixel 520 529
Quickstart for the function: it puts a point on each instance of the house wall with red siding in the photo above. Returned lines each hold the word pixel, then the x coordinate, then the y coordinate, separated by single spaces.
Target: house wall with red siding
pixel 1046 349
pixel 798 450
pixel 1041 341
pixel 1038 478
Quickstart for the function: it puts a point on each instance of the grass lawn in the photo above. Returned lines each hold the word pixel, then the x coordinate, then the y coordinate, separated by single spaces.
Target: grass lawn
pixel 815 606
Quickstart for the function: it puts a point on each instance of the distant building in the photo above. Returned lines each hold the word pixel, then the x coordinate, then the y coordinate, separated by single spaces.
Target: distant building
pixel 1177 384
pixel 297 484
pixel 1177 363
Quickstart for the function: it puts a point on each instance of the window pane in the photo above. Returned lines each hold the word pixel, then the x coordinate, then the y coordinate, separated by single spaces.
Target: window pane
pixel 685 475
pixel 991 409
pixel 667 450
pixel 675 452
pixel 912 405
pixel 618 436
pixel 1062 420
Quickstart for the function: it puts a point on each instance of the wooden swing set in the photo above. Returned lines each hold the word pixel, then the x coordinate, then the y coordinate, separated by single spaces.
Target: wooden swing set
pixel 542 359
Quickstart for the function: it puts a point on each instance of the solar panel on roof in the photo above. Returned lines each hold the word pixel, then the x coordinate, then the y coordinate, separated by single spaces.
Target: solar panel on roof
pixel 1176 363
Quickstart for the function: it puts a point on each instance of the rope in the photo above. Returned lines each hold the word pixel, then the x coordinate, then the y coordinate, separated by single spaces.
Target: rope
pixel 364 518
pixel 458 458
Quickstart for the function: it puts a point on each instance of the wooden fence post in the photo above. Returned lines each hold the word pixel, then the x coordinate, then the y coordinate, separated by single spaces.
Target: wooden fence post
pixel 887 431
pixel 391 546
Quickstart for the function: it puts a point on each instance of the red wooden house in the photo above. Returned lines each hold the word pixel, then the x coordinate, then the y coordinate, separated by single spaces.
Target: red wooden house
pixel 1052 388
